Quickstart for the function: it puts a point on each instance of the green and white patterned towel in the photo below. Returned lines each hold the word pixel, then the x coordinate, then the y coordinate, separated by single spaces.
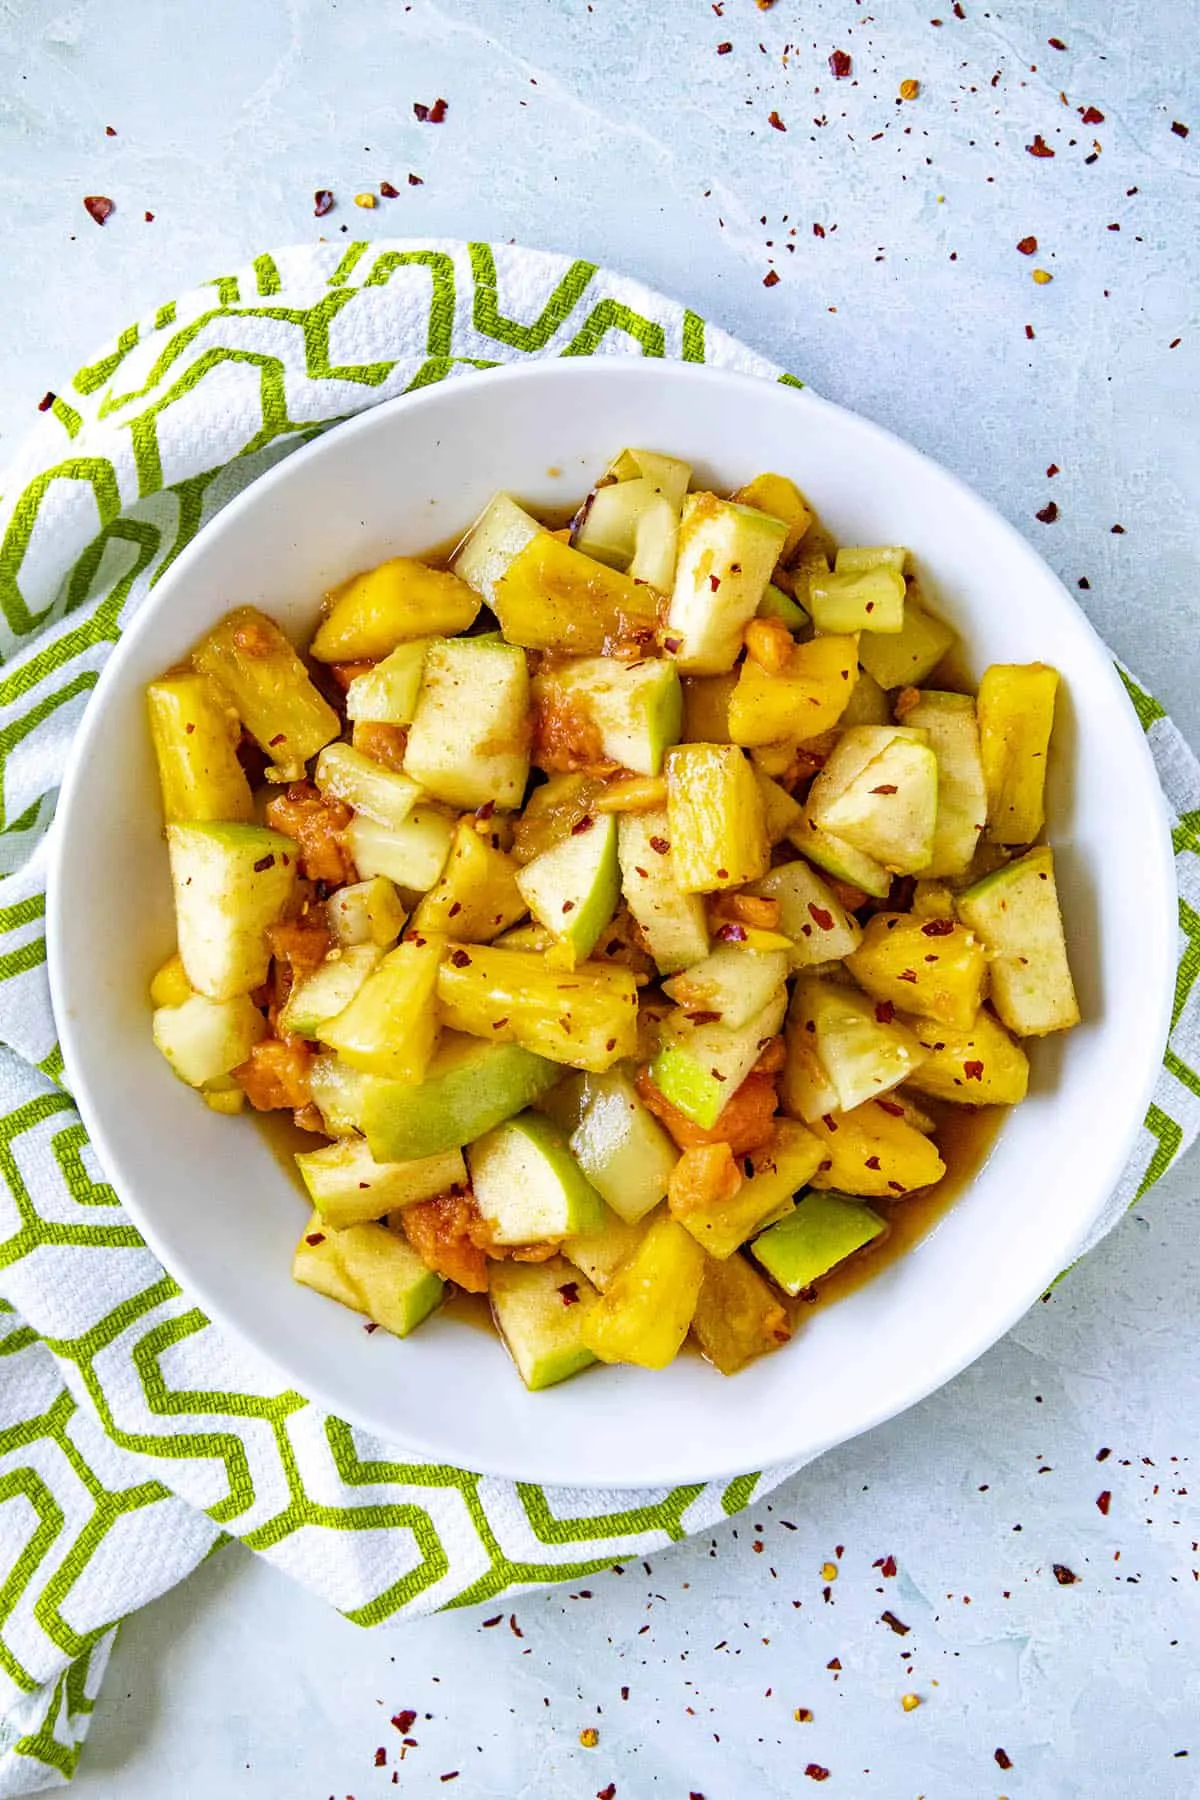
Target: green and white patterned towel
pixel 132 1434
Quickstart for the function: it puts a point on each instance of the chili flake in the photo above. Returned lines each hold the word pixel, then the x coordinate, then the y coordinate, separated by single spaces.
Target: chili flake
pixel 897 1625
pixel 973 1071
pixel 1178 129
pixel 314 1238
pixel 460 959
pixel 724 49
pixel 1065 1577
pixel 1003 1758
pixel 99 207
pixel 570 1293
pixel 388 191
pixel 1027 245
pixel 47 401
pixel 1056 43
pixel 587 823
pixel 775 122
pixel 1048 513
pixel 885 1564
pixel 821 916
pixel 607 1793
pixel 909 89
pixel 885 1012
pixel 840 65
pixel 1104 1501
pixel 1091 115
pixel 431 115
pixel 1039 146
pixel 886 787
pixel 815 1772
pixel 660 845
pixel 872 1162
pixel 803 1715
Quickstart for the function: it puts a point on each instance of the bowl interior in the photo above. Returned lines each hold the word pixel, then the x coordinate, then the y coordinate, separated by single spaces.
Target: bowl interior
pixel 223 1211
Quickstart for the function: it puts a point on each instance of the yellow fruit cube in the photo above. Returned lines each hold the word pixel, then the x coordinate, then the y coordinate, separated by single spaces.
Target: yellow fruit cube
pixel 195 734
pixel 930 966
pixel 806 698
pixel 873 1151
pixel 644 1314
pixel 1016 717
pixel 477 896
pixel 715 817
pixel 369 615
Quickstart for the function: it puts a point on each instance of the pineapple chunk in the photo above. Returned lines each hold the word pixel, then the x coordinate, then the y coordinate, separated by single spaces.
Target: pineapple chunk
pixel 586 1017
pixel 169 985
pixel 738 1315
pixel 250 659
pixel 806 698
pixel 1016 717
pixel 929 966
pixel 195 742
pixel 1015 910
pixel 469 741
pixel 706 707
pixel 369 615
pixel 644 1315
pixel 778 1172
pixel 862 1051
pixel 551 597
pixel 781 499
pixel 477 896
pixel 980 1065
pixel 872 1152
pixel 390 1026
pixel 716 818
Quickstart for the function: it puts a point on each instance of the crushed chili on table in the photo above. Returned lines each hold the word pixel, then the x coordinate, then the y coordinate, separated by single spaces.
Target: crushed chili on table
pixel 840 65
pixel 99 207
pixel 322 202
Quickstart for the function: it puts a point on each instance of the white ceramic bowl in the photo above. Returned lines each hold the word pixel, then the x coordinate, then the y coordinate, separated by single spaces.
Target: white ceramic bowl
pixel 221 1211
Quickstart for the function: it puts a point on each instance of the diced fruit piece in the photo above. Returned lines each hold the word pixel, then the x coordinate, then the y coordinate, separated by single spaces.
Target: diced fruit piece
pixel 781 1169
pixel 328 991
pixel 477 895
pixel 909 1111
pixel 949 722
pixel 882 801
pixel 980 1065
pixel 348 1186
pixel 371 1270
pixel 731 985
pixel 852 559
pixel 528 1186
pixel 929 966
pixel 231 882
pixel 551 597
pixel 1016 717
pixel 822 1232
pixel 806 698
pixel 775 604
pixel 699 1067
pixel 621 1148
pixel 806 1089
pixel 706 707
pixel 634 710
pixel 367 786
pixel 401 599
pixel 574 888
pixel 674 923
pixel 468 1087
pixel 195 738
pixel 366 912
pixel 599 1254
pixel 870 1151
pixel 169 986
pixel 715 817
pixel 203 1039
pixel 632 526
pixel 469 741
pixel 412 855
pixel 644 1315
pixel 782 499
pixel 390 1026
pixel 218 1098
pixel 337 1092
pixel 868 704
pixel 669 474
pixel 551 812
pixel 539 1309
pixel 1016 913
pixel 781 813
pixel 861 1049
pixel 387 694
pixel 250 659
pixel 810 915
pixel 528 936
pixel 586 1017
pixel 933 900
pixel 737 1317
pixel 906 657
pixel 870 599
pixel 726 555
pixel 500 533
pixel 838 858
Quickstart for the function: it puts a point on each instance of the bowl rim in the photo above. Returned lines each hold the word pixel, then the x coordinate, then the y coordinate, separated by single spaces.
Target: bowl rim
pixel 1161 880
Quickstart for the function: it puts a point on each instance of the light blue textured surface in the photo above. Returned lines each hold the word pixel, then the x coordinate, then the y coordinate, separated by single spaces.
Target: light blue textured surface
pixel 616 131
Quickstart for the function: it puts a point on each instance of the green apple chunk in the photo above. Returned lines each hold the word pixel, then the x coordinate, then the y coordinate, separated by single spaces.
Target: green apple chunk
pixel 204 1039
pixel 633 526
pixel 337 1094
pixel 822 1232
pixel 775 604
pixel 231 882
pixel 952 727
pixel 1015 911
pixel 738 1315
pixel 863 599
pixel 469 741
pixel 879 793
pixel 838 858
pixel 573 888
pixel 366 912
pixel 863 1054
pixel 328 990
pixel 732 983
pixel 810 914
pixel 348 1186
pixel 621 1147
pixel 635 709
pixel 497 537
pixel 539 1309
pixel 674 923
pixel 699 1068
pixel 412 855
pixel 528 1186
pixel 367 786
pixel 469 1087
pixel 599 1254
pixel 371 1270
pixel 724 564
pixel 387 694
pixel 778 1171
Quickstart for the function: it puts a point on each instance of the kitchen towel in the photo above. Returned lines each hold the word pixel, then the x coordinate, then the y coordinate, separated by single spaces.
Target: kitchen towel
pixel 133 1435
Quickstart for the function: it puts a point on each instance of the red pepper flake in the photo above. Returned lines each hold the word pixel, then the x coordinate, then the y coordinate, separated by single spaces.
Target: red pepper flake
pixel 1118 531
pixel 1056 43
pixel 264 863
pixel 483 813
pixel 908 975
pixel 279 738
pixel 703 1018
pixel 872 1162
pixel 1104 1454
pixel 388 191
pixel 885 1012
pixel 460 959
pixel 487 1626
pixel 885 1564
pixel 568 906
pixel 672 644
pixel 381 1758
pixel 371 1327
pixel 514 1627
pixel 660 845
pixel 570 1293
pixel 149 218
pixel 1052 471
pixel 724 49
pixel 732 934
pixel 430 115
pixel 314 1238
pixel 815 1772
pixel 452 1776
pixel 1027 245
pixel 99 207
pixel 1104 1501
pixel 1091 115
pixel 607 1793
pixel 1029 331
pixel 322 202
pixel 973 1071
pixel 887 787
pixel 775 122
pixel 818 230
pixel 1065 1577
pixel 1178 129
pixel 1039 146
pixel 840 65
pixel 937 928
pixel 820 916
pixel 1003 1758
pixel 47 401
pixel 587 823
pixel 897 1187
pixel 897 1625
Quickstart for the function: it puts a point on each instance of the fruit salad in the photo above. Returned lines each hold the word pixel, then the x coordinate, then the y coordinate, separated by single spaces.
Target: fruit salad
pixel 618 908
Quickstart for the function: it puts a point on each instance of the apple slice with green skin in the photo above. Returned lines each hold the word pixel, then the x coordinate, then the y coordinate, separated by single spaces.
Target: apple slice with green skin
pixel 365 785
pixel 822 1232
pixel 573 888
pixel 348 1187
pixel 635 709
pixel 962 803
pixel 387 694
pixel 724 563
pixel 412 855
pixel 469 1087
pixel 231 882
pixel 468 743
pixel 879 793
pixel 732 983
pixel 539 1309
pixel 1015 910
pixel 675 923
pixel 810 914
pixel 777 1172
pixel 775 604
pixel 390 1026
pixel 599 1254
pixel 337 1094
pixel 699 1067
pixel 838 858
pixel 621 1147
pixel 371 1270
pixel 910 655
pixel 366 912
pixel 329 990
pixel 204 1039
pixel 644 1315
pixel 527 1184
pixel 863 1053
